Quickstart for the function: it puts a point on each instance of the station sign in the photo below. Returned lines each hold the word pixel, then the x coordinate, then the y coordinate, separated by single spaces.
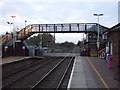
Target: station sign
pixel 98 44
pixel 5 48
pixel 17 41
pixel 23 47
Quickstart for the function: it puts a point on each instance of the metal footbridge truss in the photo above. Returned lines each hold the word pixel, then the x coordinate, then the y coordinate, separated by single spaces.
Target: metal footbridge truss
pixel 53 28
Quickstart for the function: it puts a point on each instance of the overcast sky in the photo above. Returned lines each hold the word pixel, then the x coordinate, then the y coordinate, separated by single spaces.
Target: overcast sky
pixel 58 11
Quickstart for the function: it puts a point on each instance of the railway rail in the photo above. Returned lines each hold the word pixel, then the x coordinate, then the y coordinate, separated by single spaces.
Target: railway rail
pixel 14 77
pixel 46 80
pixel 12 68
pixel 32 76
pixel 22 69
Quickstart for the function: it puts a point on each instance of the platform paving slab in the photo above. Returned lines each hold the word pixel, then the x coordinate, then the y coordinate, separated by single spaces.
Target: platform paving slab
pixel 81 77
pixel 91 83
pixel 78 78
pixel 107 74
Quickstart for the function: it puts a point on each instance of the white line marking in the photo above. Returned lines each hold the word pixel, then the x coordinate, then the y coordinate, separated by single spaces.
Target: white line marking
pixel 68 87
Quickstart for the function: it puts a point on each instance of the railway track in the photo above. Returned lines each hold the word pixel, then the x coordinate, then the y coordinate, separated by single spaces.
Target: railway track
pixel 33 76
pixel 15 67
pixel 55 77
pixel 22 69
pixel 16 76
pixel 26 67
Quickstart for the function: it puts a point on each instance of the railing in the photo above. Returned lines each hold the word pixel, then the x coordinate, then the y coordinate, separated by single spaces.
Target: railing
pixel 6 38
pixel 24 32
pixel 100 52
pixel 68 27
pixel 74 27
pixel 3 39
pixel 55 28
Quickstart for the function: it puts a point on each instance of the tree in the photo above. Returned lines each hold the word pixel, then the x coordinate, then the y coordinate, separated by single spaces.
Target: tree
pixel 68 44
pixel 47 40
pixel 33 40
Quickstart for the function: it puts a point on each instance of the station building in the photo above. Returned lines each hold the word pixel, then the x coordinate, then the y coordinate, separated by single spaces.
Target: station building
pixel 90 42
pixel 114 47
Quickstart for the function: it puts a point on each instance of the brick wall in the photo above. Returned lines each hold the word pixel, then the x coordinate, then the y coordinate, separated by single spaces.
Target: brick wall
pixel 17 51
pixel 114 38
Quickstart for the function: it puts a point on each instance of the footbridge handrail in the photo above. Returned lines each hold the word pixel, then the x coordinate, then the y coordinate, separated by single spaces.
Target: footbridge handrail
pixel 57 28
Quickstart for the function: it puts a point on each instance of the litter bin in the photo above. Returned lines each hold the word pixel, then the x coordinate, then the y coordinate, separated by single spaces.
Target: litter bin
pixel 110 61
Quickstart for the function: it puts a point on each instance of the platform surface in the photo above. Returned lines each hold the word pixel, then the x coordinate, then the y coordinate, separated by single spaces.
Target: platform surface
pixel 81 77
pixel 12 59
pixel 84 75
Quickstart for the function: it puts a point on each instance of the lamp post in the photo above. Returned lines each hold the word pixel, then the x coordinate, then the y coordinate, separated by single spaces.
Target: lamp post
pixel 10 25
pixel 14 31
pixel 41 40
pixel 25 22
pixel 98 39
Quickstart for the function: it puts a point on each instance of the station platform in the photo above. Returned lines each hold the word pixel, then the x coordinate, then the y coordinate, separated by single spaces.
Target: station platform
pixel 91 72
pixel 12 59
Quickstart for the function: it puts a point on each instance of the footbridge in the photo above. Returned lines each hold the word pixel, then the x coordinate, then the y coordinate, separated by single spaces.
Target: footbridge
pixel 52 28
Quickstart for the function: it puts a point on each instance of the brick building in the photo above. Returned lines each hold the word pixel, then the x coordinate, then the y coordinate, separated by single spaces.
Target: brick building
pixel 114 45
pixel 91 41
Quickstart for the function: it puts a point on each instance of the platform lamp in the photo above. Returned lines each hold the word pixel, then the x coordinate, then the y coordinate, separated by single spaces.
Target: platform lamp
pixel 98 38
pixel 25 22
pixel 14 31
pixel 10 25
pixel 25 26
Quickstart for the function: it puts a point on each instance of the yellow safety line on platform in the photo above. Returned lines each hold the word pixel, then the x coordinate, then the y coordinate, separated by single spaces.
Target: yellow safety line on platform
pixel 98 73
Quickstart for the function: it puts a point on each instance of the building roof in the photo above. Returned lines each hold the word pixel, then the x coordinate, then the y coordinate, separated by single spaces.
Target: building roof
pixel 115 28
